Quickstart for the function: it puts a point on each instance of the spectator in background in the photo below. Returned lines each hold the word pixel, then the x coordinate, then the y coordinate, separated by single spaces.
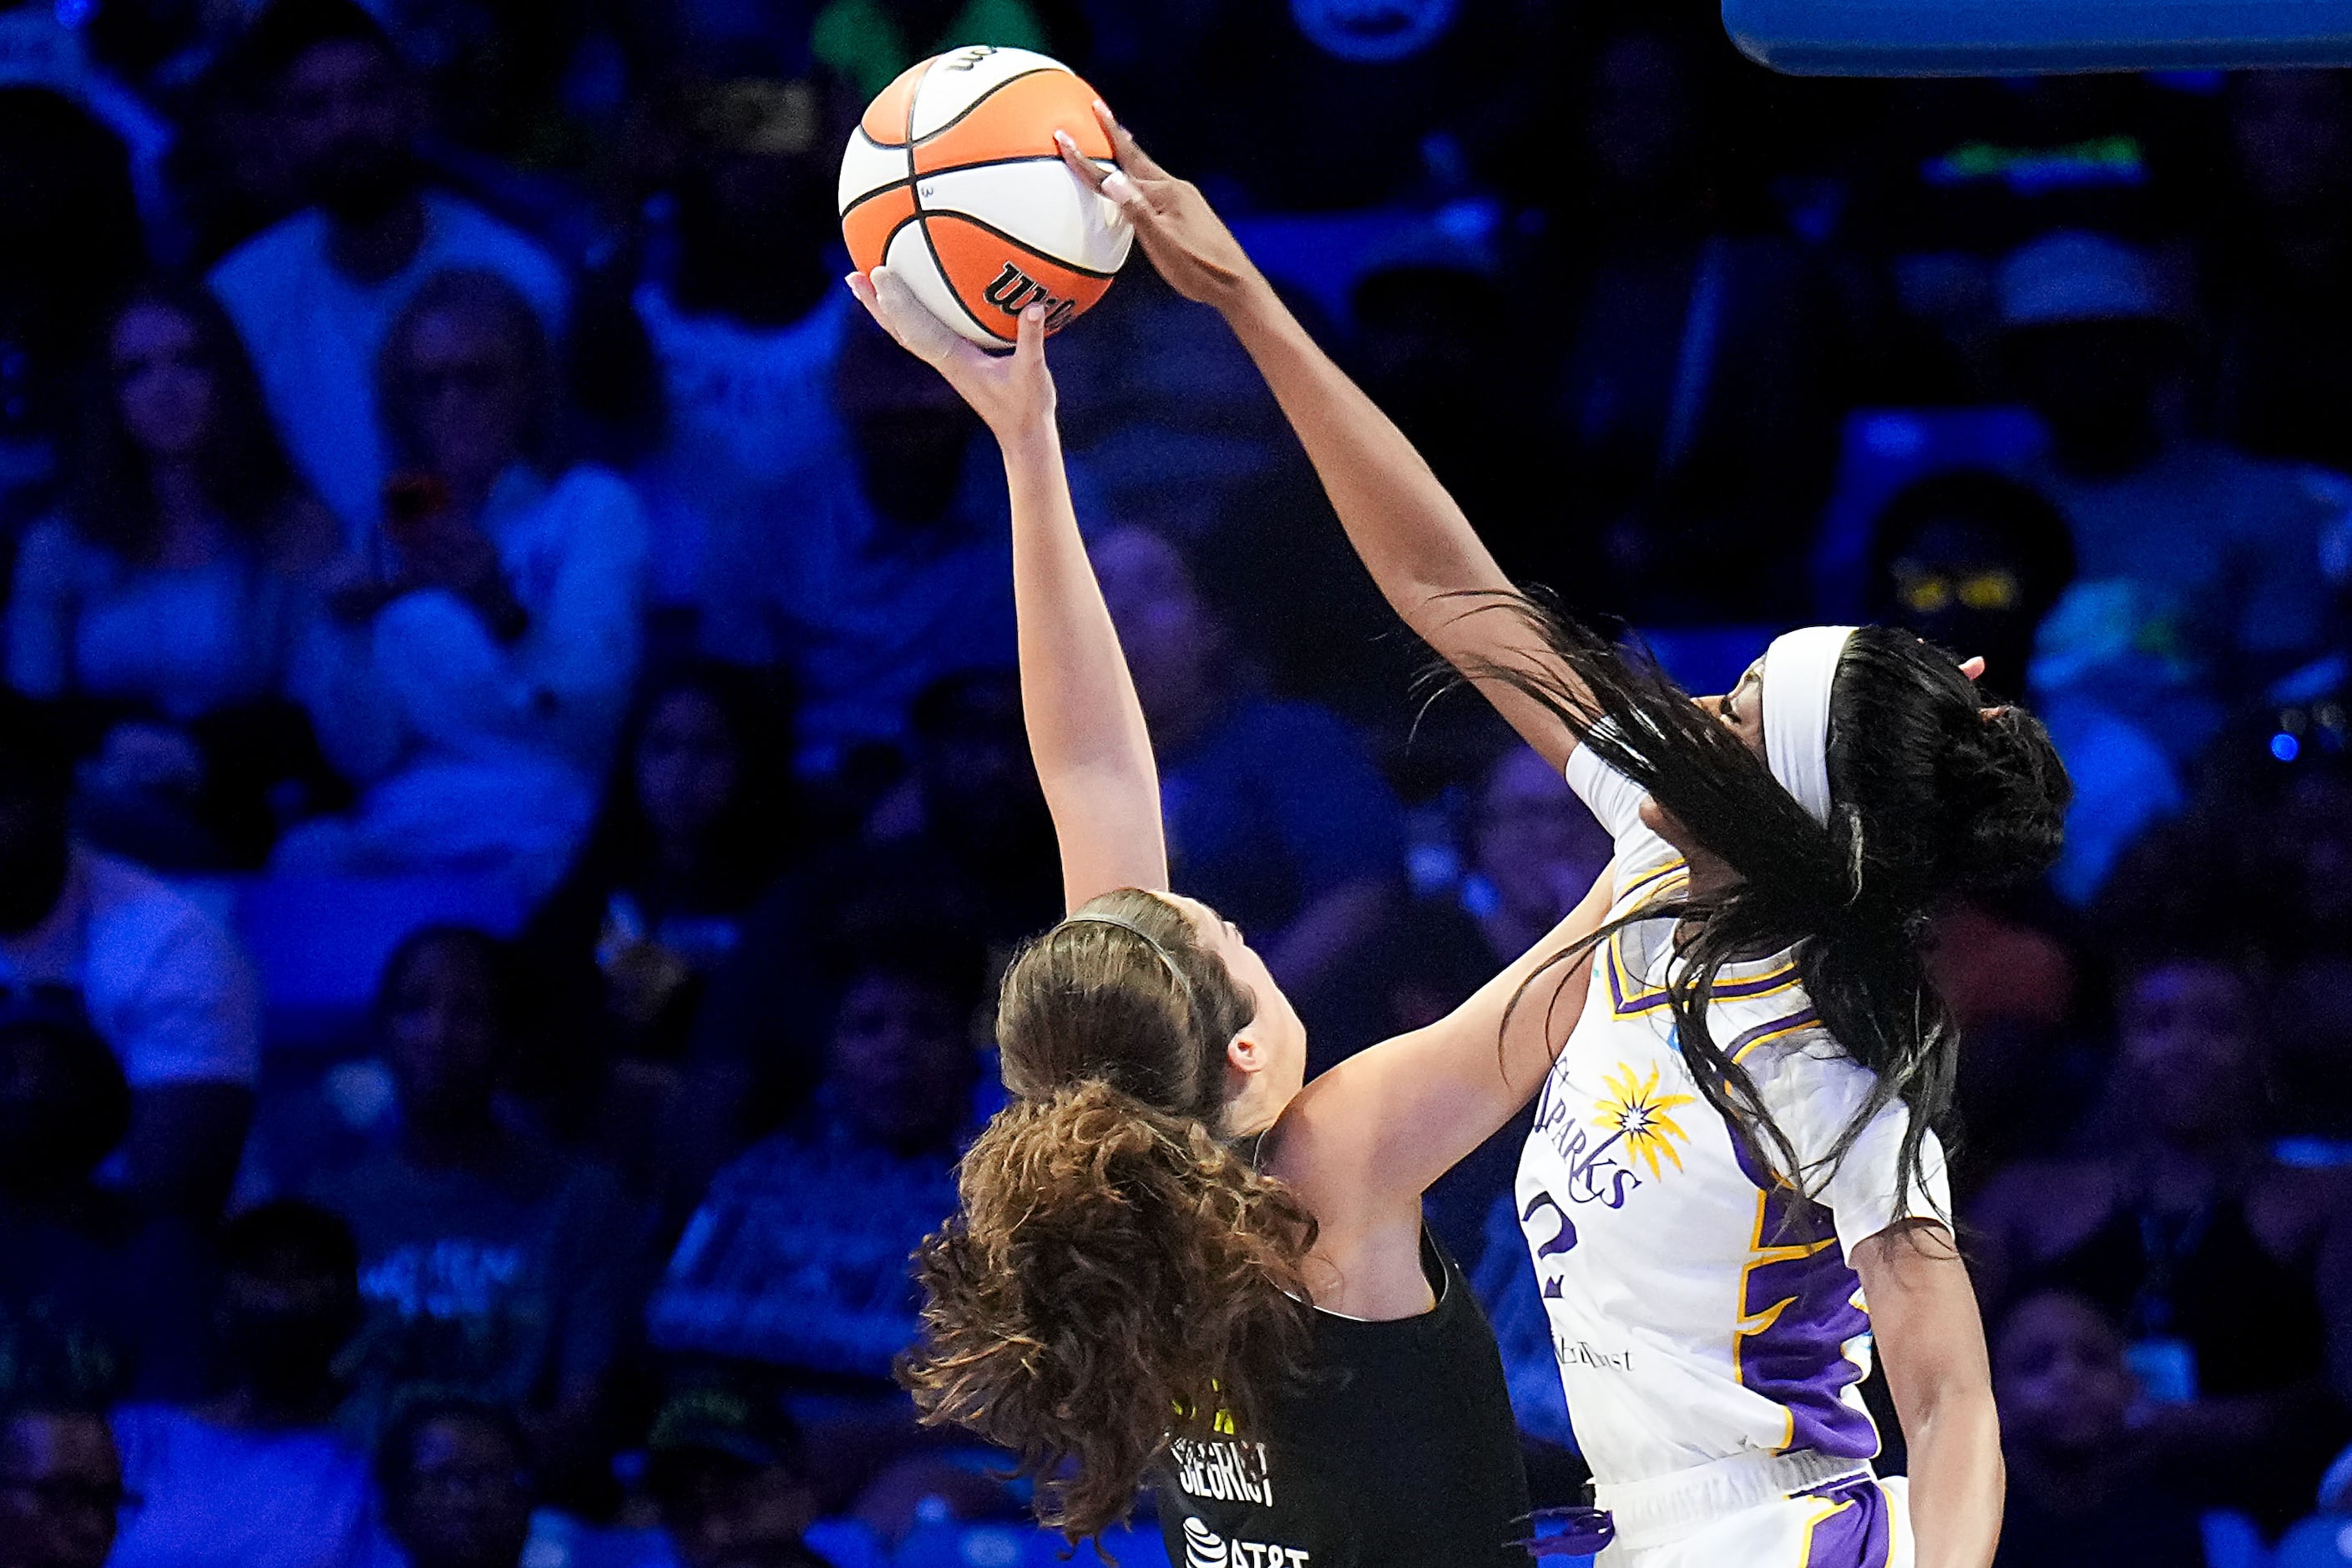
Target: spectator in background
pixel 169 584
pixel 253 1477
pixel 61 1483
pixel 892 576
pixel 315 297
pixel 2299 858
pixel 69 246
pixel 2281 258
pixel 1535 852
pixel 1974 562
pixel 75 1257
pixel 868 42
pixel 744 331
pixel 162 983
pixel 1695 405
pixel 2081 1486
pixel 165 579
pixel 454 1474
pixel 1274 812
pixel 731 1477
pixel 699 817
pixel 2185 1228
pixel 1298 76
pixel 489 1261
pixel 473 680
pixel 971 803
pixel 760 1044
pixel 2200 564
pixel 1438 347
pixel 1531 851
pixel 800 1254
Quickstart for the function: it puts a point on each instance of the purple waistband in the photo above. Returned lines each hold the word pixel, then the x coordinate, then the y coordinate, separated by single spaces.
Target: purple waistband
pixel 1569 1532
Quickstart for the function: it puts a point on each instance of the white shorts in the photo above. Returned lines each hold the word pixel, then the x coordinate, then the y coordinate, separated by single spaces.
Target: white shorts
pixel 1792 1510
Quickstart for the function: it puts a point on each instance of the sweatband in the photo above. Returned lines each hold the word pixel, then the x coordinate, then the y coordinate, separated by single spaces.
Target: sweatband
pixel 1799 669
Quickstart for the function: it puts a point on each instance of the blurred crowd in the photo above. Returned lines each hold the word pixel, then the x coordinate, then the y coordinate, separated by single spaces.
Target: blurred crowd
pixel 452 518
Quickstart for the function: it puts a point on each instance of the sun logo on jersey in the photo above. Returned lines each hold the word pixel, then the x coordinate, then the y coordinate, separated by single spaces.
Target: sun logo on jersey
pixel 1642 1117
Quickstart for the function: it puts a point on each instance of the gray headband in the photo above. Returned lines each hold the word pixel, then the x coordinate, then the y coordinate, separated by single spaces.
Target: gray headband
pixel 1159 948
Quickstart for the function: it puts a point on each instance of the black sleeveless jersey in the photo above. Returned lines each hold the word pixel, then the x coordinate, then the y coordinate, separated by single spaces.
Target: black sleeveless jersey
pixel 1397 1451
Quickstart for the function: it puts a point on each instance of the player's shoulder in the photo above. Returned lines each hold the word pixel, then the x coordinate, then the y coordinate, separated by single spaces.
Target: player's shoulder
pixel 1648 870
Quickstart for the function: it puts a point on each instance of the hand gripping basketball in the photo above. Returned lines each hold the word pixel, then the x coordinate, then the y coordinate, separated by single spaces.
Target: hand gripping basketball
pixel 1185 238
pixel 1012 394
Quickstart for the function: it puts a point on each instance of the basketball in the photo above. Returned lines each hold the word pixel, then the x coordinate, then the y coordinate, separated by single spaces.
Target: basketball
pixel 952 180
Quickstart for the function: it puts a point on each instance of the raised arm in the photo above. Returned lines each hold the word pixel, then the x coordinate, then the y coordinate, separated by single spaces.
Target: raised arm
pixel 1365 1139
pixel 1421 551
pixel 1086 728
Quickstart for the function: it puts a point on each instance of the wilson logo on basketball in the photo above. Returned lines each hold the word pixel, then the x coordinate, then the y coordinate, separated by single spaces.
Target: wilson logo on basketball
pixel 1014 291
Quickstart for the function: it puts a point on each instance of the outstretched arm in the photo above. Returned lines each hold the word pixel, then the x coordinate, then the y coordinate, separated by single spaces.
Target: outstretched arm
pixel 1086 728
pixel 1420 549
pixel 1377 1130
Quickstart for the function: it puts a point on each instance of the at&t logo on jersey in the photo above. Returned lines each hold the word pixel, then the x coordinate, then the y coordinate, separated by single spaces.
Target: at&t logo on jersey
pixel 1205 1548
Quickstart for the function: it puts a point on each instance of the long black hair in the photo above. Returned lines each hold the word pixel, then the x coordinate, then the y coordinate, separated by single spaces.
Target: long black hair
pixel 755 834
pixel 1929 796
pixel 245 473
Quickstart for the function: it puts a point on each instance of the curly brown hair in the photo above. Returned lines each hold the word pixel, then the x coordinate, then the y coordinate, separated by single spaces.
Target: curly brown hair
pixel 1118 1275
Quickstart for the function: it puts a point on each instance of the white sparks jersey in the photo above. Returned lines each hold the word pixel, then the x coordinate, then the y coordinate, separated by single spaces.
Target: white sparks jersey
pixel 1692 1320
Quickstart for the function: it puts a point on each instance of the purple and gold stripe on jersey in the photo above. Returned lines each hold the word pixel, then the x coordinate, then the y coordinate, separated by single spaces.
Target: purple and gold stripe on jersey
pixel 1771 1029
pixel 1805 1305
pixel 1856 1526
pixel 1628 995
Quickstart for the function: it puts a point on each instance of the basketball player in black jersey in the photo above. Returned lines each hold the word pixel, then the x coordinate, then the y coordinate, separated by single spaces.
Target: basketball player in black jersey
pixel 1173 1261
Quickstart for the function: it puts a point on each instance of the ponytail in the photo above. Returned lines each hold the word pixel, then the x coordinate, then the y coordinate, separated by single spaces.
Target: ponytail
pixel 1115 1277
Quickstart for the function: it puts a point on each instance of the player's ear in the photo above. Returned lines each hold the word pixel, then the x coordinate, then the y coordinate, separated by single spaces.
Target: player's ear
pixel 1246 1053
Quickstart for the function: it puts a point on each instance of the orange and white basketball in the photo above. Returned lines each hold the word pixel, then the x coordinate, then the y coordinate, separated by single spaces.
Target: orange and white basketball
pixel 952 180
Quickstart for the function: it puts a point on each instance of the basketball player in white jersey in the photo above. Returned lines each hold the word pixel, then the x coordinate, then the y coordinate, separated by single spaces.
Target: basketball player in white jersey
pixel 1732 1190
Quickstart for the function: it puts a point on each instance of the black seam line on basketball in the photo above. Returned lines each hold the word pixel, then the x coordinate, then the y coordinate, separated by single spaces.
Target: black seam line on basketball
pixel 914 96
pixel 1036 250
pixel 896 229
pixel 951 169
pixel 879 190
pixel 941 268
pixel 938 131
pixel 1000 163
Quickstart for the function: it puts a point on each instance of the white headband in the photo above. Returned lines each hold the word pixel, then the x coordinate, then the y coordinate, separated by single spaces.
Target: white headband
pixel 1798 668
